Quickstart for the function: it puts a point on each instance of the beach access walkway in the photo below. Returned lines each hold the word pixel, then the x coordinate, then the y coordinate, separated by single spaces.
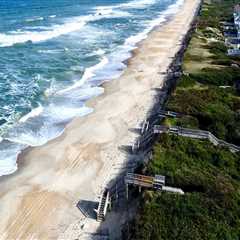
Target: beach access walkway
pixel 103 206
pixel 149 134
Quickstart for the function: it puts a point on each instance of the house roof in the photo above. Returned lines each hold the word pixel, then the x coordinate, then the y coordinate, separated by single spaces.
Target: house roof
pixel 237 8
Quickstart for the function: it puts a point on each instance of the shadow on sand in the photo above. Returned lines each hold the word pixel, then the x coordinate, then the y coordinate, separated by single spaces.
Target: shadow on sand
pixel 87 208
pixel 124 210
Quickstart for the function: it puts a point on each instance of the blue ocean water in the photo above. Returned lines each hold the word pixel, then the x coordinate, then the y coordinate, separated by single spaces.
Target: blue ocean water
pixel 54 56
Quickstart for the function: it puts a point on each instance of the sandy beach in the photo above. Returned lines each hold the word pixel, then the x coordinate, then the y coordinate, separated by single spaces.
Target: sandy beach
pixel 39 200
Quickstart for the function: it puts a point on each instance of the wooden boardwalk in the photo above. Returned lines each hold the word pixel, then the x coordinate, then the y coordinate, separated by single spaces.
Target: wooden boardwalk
pixel 157 117
pixel 148 136
pixel 157 183
pixel 195 133
pixel 170 114
pixel 139 180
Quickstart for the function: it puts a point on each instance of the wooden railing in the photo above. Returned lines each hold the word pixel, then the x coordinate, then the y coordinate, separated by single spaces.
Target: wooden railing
pixel 139 180
pixel 195 133
pixel 157 183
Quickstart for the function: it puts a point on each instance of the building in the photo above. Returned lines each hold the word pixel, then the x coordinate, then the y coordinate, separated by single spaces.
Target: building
pixel 236 16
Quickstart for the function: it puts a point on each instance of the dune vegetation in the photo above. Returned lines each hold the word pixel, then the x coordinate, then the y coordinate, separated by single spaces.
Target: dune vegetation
pixel 209 97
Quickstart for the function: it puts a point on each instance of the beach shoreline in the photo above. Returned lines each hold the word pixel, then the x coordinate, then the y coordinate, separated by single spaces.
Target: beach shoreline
pixel 21 143
pixel 52 178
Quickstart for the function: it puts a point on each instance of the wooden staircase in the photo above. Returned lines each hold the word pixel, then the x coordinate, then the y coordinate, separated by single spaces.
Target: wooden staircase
pixel 102 206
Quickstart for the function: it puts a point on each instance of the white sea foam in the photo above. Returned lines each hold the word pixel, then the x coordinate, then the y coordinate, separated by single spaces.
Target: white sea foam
pixel 52 89
pixel 8 164
pixel 71 25
pixel 44 124
pixel 108 11
pixel 34 113
pixel 8 157
pixel 31 28
pixel 48 125
pixel 37 136
pixel 65 113
pixel 33 36
pixel 35 19
pixel 137 4
pixel 82 94
pixel 99 52
pixel 111 67
pixel 114 67
pixel 77 68
pixel 53 51
pixel 171 10
pixel 88 74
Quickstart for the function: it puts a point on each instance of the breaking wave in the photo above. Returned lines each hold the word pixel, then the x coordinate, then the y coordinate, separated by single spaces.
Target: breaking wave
pixel 47 121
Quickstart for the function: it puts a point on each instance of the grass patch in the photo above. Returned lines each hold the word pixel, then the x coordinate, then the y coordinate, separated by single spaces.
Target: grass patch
pixel 216 110
pixel 210 177
pixel 218 77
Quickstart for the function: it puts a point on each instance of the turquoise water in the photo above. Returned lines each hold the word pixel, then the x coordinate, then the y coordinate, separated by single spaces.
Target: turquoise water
pixel 55 54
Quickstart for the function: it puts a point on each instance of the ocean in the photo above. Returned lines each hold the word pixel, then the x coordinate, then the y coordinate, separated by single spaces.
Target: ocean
pixel 54 56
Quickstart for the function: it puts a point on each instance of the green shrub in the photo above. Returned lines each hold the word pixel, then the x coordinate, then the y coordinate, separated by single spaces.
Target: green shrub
pixel 217 47
pixel 218 77
pixel 214 108
pixel 186 82
pixel 224 62
pixel 190 57
pixel 210 177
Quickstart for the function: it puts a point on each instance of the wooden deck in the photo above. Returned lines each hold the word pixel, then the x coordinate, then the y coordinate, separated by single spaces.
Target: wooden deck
pixel 157 183
pixel 139 180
